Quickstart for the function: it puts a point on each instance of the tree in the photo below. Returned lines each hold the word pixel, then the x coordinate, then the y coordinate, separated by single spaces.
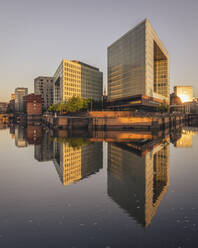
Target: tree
pixel 163 107
pixel 74 104
pixel 52 108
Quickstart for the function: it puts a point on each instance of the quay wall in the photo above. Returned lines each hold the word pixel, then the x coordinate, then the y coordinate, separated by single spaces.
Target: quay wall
pixel 118 120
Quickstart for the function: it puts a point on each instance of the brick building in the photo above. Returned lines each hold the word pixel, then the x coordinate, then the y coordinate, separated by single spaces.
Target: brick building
pixel 33 105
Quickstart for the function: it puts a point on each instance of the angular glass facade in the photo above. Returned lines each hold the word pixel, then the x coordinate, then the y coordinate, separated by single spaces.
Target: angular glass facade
pixel 138 64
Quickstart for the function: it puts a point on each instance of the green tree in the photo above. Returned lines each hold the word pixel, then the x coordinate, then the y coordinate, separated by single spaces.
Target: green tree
pixel 163 107
pixel 52 108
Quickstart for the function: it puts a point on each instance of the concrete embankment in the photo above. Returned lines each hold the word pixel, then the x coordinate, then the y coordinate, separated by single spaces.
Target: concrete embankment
pixel 115 120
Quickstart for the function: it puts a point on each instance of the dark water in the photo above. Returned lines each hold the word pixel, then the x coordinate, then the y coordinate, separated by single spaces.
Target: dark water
pixel 106 190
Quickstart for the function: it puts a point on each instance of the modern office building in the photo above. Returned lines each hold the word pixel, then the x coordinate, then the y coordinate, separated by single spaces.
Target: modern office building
pixel 138 179
pixel 138 69
pixel 76 163
pixel 44 87
pixel 74 78
pixel 19 99
pixel 184 92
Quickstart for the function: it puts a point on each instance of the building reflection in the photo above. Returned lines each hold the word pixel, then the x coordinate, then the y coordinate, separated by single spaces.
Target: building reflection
pixel 20 136
pixel 43 151
pixel 12 131
pixel 138 177
pixel 75 161
pixel 34 134
pixel 186 139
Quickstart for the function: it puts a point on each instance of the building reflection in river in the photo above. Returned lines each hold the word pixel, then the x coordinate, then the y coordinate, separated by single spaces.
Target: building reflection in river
pixel 186 139
pixel 34 134
pixel 43 152
pixel 74 162
pixel 20 136
pixel 138 179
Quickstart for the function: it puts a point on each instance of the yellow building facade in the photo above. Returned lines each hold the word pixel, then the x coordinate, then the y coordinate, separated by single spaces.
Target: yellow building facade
pixel 74 78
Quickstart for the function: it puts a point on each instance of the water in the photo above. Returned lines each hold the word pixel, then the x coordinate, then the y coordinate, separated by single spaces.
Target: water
pixel 108 190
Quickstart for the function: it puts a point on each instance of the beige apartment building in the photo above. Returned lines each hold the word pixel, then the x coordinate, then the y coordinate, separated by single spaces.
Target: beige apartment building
pixel 44 86
pixel 138 69
pixel 185 93
pixel 74 78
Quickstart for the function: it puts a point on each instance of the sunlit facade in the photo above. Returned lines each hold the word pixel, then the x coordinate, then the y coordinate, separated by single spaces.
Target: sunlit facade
pixel 185 93
pixel 138 64
pixel 19 99
pixel 74 78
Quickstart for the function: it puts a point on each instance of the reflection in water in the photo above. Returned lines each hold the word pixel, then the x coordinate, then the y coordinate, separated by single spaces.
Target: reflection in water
pixel 43 151
pixel 138 180
pixel 186 139
pixel 20 136
pixel 77 162
pixel 126 199
pixel 34 135
pixel 138 162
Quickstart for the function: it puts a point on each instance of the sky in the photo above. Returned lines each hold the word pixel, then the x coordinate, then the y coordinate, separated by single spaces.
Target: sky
pixel 36 35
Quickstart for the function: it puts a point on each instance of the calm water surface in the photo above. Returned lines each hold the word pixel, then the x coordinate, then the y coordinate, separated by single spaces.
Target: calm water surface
pixel 110 190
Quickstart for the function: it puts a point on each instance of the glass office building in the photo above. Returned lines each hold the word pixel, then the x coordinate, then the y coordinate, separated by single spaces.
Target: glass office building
pixel 138 68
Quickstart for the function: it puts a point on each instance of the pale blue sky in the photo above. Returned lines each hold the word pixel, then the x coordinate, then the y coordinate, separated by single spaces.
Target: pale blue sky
pixel 36 35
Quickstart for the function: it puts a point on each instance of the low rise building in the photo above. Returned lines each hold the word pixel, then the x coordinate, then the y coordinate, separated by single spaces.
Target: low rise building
pixel 33 105
pixel 3 107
